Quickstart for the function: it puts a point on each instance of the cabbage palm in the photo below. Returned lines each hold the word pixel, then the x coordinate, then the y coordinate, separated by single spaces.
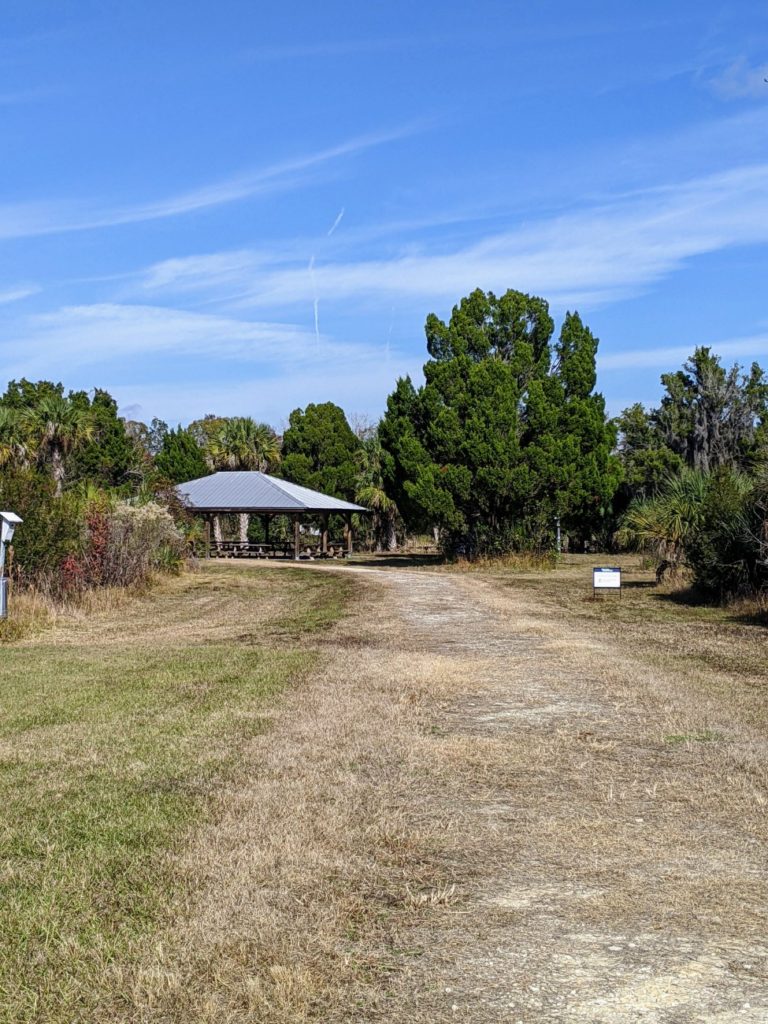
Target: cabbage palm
pixel 56 426
pixel 243 444
pixel 370 493
pixel 16 445
pixel 384 513
pixel 668 520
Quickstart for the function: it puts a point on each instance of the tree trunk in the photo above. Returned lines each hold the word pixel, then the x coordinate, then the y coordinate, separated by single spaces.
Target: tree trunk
pixel 391 533
pixel 324 534
pixel 57 467
pixel 245 520
pixel 296 538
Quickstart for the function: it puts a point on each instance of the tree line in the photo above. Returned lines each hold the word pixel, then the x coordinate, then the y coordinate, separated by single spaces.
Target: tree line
pixel 505 446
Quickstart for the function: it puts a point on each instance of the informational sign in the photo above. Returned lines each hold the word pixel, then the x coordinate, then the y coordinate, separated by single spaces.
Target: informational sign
pixel 606 578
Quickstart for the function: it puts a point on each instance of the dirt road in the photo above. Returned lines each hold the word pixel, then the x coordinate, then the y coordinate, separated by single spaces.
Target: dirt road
pixel 482 812
pixel 609 865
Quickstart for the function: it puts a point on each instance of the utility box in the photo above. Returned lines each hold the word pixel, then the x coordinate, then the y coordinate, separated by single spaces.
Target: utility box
pixel 8 523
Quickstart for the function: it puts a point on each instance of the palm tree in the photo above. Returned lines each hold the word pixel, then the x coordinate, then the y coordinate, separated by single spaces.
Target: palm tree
pixel 370 492
pixel 56 426
pixel 242 443
pixel 668 521
pixel 16 447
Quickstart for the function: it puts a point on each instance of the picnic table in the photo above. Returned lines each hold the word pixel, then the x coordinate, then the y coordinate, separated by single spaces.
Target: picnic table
pixel 277 549
pixel 249 549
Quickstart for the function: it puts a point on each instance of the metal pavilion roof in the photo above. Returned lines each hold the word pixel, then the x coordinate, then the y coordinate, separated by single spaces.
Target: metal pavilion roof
pixel 249 491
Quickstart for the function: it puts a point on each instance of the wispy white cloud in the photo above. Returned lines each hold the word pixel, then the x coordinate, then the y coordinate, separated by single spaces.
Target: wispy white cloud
pixel 671 356
pixel 741 80
pixel 220 270
pixel 99 334
pixel 20 291
pixel 188 363
pixel 597 255
pixel 362 386
pixel 26 219
pixel 94 335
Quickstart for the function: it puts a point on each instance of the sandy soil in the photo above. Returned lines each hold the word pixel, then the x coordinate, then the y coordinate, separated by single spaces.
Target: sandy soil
pixel 615 865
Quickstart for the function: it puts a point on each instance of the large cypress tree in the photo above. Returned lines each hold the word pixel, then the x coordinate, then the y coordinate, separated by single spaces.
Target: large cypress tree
pixel 502 438
pixel 569 442
pixel 320 449
pixel 109 455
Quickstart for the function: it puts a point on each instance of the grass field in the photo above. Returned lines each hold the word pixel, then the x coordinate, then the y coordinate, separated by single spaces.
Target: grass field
pixel 115 733
pixel 413 793
pixel 723 648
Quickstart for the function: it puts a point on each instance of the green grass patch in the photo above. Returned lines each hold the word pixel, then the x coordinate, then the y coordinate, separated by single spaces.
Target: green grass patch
pixel 111 751
pixel 705 736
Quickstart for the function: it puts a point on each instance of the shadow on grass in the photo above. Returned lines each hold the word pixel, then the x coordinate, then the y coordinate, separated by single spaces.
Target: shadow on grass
pixel 758 618
pixel 391 561
pixel 744 614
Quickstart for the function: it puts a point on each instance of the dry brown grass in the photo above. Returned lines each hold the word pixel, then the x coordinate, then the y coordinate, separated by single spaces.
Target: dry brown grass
pixel 119 734
pixel 488 807
pixel 495 800
pixel 515 561
pixel 32 611
pixel 308 862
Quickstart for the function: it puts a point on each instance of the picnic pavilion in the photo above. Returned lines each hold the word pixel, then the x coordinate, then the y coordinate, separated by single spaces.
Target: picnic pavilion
pixel 258 494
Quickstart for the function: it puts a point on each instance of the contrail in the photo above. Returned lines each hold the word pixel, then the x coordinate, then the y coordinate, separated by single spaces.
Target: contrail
pixel 389 335
pixel 336 222
pixel 316 302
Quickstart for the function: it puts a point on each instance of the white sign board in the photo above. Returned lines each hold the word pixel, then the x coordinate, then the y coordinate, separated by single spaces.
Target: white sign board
pixel 606 578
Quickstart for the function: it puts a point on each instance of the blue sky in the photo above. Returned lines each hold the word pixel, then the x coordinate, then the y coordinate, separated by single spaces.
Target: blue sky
pixel 240 208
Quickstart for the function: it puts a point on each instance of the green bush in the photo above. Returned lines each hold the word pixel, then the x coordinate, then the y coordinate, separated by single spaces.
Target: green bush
pixel 52 527
pixel 725 551
pixel 85 538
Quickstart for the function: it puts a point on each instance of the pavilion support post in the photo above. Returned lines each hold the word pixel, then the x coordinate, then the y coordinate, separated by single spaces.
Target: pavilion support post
pixel 348 533
pixel 296 538
pixel 266 520
pixel 207 536
pixel 324 533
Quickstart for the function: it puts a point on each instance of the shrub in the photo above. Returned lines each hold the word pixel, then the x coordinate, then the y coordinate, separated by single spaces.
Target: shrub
pixel 134 542
pixel 725 551
pixel 716 524
pixel 52 528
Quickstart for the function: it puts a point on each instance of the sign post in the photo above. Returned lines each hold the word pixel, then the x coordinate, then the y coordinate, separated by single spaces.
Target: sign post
pixel 606 578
